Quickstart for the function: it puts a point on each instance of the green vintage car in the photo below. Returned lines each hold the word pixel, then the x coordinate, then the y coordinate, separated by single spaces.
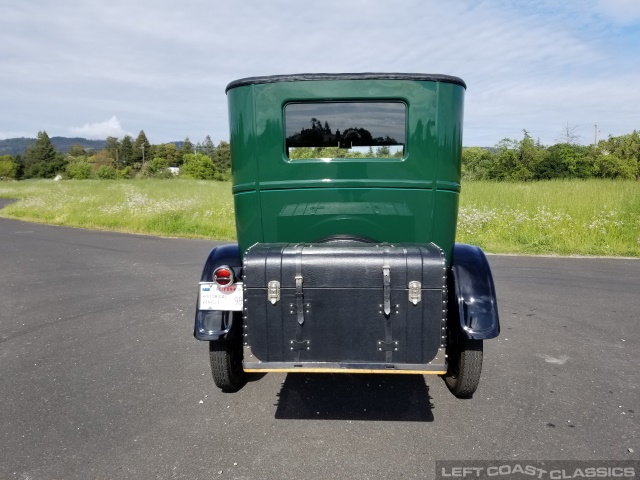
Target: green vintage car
pixel 346 191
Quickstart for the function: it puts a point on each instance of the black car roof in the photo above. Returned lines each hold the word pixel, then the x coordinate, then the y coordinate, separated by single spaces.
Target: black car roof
pixel 302 77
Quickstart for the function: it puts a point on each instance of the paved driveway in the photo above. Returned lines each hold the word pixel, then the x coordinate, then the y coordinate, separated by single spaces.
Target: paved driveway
pixel 101 378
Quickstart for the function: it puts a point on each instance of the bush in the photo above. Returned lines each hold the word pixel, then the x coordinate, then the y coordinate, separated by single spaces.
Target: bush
pixel 8 168
pixel 79 170
pixel 199 166
pixel 107 172
pixel 156 168
pixel 124 173
pixel 225 176
pixel 476 163
pixel 611 166
pixel 565 160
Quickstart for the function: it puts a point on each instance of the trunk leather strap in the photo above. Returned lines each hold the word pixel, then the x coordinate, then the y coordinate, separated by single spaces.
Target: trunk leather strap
pixel 386 287
pixel 299 280
pixel 386 283
pixel 299 303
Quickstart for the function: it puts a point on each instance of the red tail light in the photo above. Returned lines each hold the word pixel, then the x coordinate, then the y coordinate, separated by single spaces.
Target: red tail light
pixel 223 276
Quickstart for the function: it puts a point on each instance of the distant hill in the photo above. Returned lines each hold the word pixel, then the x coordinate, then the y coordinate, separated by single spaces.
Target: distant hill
pixel 17 146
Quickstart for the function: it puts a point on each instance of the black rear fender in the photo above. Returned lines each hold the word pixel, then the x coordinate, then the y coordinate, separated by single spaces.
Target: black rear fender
pixel 472 293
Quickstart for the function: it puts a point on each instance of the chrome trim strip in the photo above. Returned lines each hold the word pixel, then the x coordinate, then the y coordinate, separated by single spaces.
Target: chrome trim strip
pixel 344 366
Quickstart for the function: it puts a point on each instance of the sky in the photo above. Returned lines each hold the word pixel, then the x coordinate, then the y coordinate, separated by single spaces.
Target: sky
pixel 94 68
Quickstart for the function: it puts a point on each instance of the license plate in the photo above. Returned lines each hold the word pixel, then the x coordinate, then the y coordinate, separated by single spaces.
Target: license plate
pixel 217 297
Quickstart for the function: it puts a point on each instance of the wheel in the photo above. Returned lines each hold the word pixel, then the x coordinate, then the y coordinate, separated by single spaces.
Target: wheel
pixel 226 364
pixel 465 366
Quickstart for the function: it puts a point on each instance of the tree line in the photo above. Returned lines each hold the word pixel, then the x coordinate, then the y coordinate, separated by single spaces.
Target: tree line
pixel 125 158
pixel 509 160
pixel 526 159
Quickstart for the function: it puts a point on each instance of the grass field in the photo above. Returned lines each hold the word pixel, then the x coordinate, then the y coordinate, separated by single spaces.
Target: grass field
pixel 594 217
pixel 175 208
pixel 591 217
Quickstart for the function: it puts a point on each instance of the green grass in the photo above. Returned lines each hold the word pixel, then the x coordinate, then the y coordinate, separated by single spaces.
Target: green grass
pixel 594 217
pixel 180 208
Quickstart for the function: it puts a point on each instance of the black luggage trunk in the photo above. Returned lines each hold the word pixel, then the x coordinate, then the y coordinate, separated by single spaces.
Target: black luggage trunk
pixel 345 305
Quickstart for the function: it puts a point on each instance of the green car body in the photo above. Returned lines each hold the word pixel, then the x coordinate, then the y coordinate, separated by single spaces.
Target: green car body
pixel 409 199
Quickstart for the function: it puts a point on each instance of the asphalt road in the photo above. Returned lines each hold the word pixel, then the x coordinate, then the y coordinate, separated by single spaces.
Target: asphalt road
pixel 100 376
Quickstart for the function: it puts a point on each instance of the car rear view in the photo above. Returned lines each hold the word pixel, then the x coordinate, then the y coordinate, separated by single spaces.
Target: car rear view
pixel 346 192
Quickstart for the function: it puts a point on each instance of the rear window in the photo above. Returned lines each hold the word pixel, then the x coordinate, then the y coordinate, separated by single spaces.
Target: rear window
pixel 345 129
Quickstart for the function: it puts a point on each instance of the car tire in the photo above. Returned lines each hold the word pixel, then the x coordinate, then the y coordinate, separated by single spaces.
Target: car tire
pixel 465 366
pixel 225 357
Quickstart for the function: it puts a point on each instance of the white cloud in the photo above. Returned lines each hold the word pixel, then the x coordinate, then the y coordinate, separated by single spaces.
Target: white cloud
pixel 100 130
pixel 533 65
pixel 620 11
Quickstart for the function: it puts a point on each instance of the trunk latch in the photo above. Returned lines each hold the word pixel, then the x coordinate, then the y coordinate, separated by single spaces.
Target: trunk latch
pixel 415 292
pixel 273 291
